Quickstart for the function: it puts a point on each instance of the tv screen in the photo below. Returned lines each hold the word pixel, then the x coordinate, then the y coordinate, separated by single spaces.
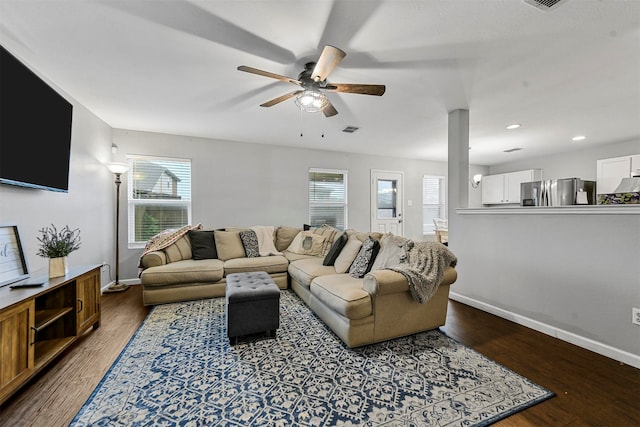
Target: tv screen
pixel 35 129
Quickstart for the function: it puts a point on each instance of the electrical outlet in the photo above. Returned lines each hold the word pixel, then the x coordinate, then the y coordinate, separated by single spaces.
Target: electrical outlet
pixel 103 266
pixel 636 316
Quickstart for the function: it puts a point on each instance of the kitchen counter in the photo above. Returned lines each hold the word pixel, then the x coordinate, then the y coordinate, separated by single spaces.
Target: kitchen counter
pixel 554 210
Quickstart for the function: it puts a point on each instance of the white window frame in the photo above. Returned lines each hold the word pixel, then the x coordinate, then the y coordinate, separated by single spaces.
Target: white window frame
pixel 133 202
pixel 344 204
pixel 429 229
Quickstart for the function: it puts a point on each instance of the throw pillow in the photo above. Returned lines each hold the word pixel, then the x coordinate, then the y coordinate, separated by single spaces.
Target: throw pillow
pixel 392 252
pixel 365 258
pixel 228 245
pixel 335 250
pixel 202 245
pixel 347 255
pixel 250 243
pixel 307 243
pixel 329 234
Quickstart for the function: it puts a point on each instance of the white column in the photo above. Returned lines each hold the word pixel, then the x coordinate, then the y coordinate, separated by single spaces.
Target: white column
pixel 458 161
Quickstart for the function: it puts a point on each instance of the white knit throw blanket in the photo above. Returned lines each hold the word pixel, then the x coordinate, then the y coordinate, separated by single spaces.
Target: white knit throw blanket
pixel 425 266
pixel 266 246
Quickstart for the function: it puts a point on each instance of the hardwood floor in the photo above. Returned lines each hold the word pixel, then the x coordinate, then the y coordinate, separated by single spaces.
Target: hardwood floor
pixel 591 389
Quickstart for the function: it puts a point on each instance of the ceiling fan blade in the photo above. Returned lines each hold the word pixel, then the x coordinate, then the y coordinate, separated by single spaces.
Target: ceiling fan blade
pixel 362 89
pixel 329 59
pixel 279 99
pixel 268 74
pixel 329 110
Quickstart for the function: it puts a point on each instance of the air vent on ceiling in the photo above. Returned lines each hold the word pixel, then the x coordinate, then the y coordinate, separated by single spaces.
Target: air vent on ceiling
pixel 545 5
pixel 350 129
pixel 511 150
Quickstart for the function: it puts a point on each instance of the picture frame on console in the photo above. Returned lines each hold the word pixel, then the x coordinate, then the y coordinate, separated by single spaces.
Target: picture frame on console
pixel 13 264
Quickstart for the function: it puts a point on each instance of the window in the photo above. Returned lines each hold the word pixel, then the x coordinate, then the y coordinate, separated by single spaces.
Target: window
pixel 328 198
pixel 432 202
pixel 159 196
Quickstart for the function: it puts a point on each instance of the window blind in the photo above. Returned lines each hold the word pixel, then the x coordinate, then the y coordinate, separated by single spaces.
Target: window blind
pixel 159 196
pixel 328 198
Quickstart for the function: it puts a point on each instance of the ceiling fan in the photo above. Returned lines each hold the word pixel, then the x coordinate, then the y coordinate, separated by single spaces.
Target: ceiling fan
pixel 313 82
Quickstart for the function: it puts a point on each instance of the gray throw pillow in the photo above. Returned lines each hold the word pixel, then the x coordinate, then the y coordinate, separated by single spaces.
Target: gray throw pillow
pixel 250 242
pixel 365 258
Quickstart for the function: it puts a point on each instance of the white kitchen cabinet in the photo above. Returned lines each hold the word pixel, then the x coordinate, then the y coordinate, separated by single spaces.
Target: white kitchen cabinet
pixel 504 188
pixel 611 171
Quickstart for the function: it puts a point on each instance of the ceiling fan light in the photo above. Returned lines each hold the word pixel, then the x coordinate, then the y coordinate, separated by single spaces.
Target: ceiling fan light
pixel 311 101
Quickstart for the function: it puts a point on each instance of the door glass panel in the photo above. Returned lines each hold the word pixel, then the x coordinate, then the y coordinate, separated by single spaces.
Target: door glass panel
pixel 386 198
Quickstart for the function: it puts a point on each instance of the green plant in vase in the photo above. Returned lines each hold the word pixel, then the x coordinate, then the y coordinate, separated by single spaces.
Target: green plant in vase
pixel 57 245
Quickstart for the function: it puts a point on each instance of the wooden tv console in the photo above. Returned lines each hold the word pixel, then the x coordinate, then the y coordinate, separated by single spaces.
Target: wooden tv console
pixel 38 324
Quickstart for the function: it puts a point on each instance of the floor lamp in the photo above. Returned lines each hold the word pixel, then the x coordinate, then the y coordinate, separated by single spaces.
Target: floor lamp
pixel 117 169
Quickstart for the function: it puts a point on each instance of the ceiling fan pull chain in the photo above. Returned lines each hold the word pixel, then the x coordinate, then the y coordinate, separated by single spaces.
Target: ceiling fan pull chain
pixel 300 123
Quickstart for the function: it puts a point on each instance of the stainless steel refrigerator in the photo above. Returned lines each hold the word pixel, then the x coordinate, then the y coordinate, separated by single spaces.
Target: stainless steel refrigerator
pixel 558 192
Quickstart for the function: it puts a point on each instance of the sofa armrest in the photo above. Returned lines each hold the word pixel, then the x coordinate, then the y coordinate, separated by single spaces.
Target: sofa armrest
pixel 381 282
pixel 154 259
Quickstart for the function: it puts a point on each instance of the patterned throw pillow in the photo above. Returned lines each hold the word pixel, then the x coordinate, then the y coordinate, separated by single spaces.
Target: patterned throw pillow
pixel 307 243
pixel 365 258
pixel 250 242
pixel 329 234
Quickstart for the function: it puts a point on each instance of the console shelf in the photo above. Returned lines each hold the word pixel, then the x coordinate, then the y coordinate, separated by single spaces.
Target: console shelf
pixel 46 317
pixel 38 324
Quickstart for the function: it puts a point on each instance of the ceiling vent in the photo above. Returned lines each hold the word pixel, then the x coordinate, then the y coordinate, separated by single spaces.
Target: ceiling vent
pixel 511 150
pixel 545 5
pixel 350 129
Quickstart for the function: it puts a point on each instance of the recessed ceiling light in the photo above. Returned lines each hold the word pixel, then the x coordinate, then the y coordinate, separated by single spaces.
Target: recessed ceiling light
pixel 578 138
pixel 514 126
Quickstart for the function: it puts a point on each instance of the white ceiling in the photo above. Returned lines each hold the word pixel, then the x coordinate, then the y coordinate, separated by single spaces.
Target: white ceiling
pixel 170 67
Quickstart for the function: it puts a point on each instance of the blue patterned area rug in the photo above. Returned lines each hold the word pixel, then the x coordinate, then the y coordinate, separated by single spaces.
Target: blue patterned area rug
pixel 180 369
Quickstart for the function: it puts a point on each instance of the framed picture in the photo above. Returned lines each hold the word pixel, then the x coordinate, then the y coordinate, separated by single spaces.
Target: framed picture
pixel 13 264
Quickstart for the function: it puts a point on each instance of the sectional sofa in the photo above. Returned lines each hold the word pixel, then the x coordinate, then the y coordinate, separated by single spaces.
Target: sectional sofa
pixel 347 278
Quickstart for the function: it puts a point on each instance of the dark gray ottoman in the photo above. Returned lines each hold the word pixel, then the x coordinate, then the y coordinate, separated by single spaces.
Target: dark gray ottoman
pixel 253 304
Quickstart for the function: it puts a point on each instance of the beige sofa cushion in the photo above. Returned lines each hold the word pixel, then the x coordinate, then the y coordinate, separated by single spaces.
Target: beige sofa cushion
pixel 228 244
pixel 270 264
pixel 284 236
pixel 304 271
pixel 185 271
pixel 362 236
pixel 179 250
pixel 343 294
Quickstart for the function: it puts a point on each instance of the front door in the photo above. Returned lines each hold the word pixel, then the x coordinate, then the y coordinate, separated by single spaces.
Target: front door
pixel 386 202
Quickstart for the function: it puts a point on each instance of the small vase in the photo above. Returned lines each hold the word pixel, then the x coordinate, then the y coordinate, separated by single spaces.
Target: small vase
pixel 58 267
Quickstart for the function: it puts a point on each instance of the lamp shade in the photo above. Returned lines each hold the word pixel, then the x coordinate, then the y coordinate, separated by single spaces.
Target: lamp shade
pixel 116 167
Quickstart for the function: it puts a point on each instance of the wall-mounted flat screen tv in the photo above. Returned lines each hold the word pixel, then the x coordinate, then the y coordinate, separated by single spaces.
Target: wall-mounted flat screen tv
pixel 35 129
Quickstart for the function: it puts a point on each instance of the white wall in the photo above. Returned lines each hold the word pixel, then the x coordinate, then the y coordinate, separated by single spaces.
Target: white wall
pixel 580 163
pixel 89 204
pixel 241 184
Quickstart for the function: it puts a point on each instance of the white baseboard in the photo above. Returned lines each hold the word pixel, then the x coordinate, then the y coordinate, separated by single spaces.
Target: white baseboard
pixel 587 343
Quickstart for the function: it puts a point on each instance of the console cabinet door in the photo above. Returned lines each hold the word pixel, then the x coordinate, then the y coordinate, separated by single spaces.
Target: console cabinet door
pixel 88 301
pixel 16 346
